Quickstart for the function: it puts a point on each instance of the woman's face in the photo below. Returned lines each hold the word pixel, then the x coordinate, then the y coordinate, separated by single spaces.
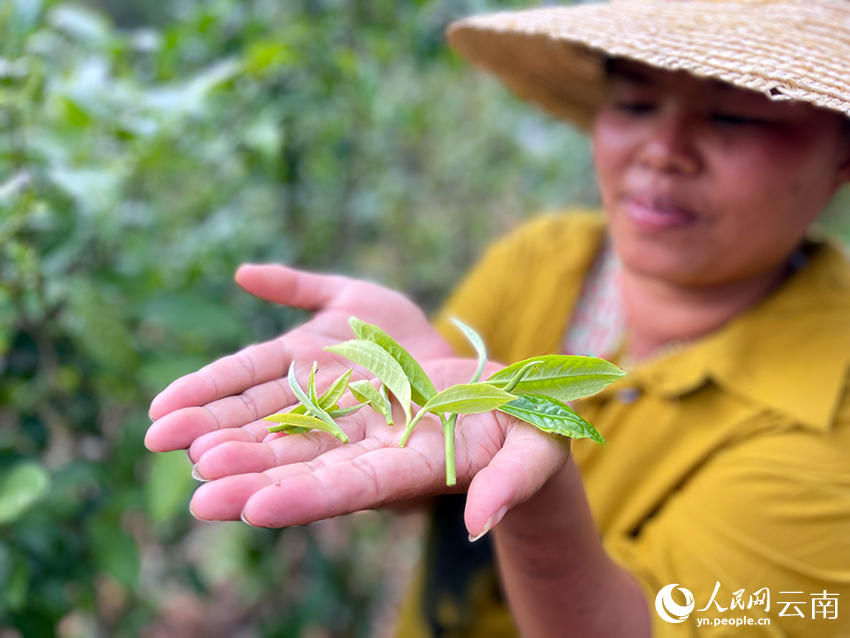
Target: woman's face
pixel 705 184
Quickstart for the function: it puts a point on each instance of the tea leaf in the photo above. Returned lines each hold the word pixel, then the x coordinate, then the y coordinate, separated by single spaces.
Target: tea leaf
pixel 380 363
pixel 550 415
pixel 313 409
pixel 468 398
pixel 329 397
pixel 518 376
pixel 311 384
pixel 337 412
pixel 477 343
pixel 421 386
pixel 364 391
pixel 562 377
pixel 335 391
pixel 297 423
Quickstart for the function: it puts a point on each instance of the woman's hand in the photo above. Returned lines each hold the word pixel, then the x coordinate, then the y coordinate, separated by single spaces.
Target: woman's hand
pixel 226 400
pixel 297 479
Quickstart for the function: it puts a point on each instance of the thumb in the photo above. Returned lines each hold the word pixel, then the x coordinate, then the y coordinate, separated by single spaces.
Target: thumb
pixel 527 460
pixel 290 287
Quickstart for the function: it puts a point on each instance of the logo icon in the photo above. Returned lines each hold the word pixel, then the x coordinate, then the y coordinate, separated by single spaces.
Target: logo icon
pixel 668 609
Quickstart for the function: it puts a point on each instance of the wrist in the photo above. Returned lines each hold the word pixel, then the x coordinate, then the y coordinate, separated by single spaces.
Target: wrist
pixel 555 570
pixel 556 517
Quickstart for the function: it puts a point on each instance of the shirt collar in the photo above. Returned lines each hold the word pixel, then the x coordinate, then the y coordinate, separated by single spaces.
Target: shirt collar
pixel 790 353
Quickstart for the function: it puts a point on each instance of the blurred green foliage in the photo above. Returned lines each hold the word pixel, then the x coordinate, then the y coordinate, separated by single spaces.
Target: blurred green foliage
pixel 139 165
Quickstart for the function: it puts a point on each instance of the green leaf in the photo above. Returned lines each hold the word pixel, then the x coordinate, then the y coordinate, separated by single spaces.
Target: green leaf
pixel 17 581
pixel 298 423
pixel 562 377
pixel 363 390
pixel 477 343
pixel 468 398
pixel 311 385
pixel 421 387
pixel 519 375
pixel 169 486
pixel 20 488
pixel 550 415
pixel 335 391
pixel 115 551
pixel 337 412
pixel 380 363
pixel 313 409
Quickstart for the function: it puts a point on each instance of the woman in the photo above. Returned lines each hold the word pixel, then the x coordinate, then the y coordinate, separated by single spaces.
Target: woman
pixel 718 138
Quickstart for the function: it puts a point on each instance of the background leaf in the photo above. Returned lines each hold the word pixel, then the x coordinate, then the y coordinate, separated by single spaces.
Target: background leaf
pixel 21 487
pixel 169 487
pixel 115 551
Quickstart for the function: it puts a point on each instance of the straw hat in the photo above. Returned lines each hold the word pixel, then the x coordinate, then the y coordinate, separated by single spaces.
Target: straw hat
pixel 552 56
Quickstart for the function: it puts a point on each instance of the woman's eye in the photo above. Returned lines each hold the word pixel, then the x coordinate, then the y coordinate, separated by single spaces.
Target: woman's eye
pixel 635 108
pixel 736 120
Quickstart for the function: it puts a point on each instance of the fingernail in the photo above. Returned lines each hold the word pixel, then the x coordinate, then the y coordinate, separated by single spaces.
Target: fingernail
pixel 245 520
pixel 192 512
pixel 196 474
pixel 490 524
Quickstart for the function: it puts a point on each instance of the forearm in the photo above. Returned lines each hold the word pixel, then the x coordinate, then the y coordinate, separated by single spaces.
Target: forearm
pixel 556 574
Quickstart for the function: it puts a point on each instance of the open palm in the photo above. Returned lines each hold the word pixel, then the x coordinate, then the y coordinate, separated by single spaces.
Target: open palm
pixel 226 400
pixel 297 479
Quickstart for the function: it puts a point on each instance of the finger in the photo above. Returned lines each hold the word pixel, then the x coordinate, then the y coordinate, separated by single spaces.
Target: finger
pixel 255 432
pixel 230 375
pixel 368 481
pixel 177 430
pixel 244 457
pixel 207 442
pixel 225 498
pixel 290 287
pixel 180 429
pixel 518 470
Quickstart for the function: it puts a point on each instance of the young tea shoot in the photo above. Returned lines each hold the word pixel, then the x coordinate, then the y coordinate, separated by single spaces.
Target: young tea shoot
pixel 534 390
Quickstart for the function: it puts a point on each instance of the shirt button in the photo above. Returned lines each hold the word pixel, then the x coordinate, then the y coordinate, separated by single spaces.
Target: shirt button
pixel 628 395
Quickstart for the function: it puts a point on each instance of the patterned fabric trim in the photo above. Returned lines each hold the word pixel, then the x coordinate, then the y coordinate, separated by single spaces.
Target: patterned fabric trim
pixel 598 324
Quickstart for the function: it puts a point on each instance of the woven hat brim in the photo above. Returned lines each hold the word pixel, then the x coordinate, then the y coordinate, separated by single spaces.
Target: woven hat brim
pixel 552 56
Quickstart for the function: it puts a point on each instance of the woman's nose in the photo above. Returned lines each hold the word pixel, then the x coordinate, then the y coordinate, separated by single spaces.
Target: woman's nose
pixel 670 144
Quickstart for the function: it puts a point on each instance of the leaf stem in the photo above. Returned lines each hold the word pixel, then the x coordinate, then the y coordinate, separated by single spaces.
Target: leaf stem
pixel 409 429
pixel 449 437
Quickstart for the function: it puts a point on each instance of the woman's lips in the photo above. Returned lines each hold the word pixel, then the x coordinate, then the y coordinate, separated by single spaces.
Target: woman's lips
pixel 658 212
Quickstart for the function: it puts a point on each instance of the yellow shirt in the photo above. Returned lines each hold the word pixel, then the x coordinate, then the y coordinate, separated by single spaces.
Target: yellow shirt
pixel 726 464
